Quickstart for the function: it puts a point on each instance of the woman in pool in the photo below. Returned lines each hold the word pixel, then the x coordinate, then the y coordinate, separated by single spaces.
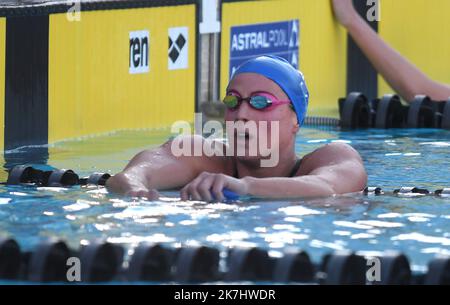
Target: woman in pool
pixel 399 73
pixel 264 89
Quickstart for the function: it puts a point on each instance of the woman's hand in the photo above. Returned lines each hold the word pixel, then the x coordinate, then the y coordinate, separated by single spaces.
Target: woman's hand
pixel 129 185
pixel 208 187
pixel 344 11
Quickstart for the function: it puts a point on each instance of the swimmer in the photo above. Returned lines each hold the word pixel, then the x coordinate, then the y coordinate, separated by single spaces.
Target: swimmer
pixel 263 89
pixel 403 76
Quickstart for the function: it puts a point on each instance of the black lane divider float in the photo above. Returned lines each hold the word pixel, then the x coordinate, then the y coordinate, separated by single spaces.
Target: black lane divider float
pixel 27 175
pixel 407 192
pixel 104 262
pixel 356 111
pixel 24 174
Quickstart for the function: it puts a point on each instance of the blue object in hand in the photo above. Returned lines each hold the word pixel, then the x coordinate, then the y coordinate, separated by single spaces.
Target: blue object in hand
pixel 230 195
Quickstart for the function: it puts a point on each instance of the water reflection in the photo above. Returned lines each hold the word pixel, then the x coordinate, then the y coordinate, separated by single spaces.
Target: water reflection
pixel 418 226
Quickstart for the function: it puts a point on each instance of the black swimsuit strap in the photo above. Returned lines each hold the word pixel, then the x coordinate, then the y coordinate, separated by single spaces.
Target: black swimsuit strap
pixel 296 167
pixel 235 174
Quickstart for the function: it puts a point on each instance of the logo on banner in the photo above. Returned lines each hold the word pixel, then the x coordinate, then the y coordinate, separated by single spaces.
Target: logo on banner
pixel 139 52
pixel 178 48
pixel 276 38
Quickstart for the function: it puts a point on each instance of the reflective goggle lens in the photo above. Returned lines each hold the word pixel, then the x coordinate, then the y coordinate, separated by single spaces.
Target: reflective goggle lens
pixel 260 102
pixel 231 101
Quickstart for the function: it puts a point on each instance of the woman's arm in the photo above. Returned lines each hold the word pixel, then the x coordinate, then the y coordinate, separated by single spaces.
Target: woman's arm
pixel 404 77
pixel 332 169
pixel 346 177
pixel 159 169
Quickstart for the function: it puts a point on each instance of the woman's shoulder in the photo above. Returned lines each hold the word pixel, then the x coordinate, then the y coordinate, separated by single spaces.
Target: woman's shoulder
pixel 329 154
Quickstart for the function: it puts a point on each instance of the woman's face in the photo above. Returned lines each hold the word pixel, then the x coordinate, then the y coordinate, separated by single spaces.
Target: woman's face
pixel 260 125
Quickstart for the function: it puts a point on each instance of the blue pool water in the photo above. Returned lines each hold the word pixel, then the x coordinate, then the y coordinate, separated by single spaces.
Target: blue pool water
pixel 419 227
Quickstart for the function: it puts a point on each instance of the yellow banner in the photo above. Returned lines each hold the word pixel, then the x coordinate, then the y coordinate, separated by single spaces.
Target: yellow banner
pixel 420 31
pixel 115 69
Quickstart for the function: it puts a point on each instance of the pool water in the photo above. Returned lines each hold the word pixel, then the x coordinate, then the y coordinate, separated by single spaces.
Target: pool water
pixel 419 227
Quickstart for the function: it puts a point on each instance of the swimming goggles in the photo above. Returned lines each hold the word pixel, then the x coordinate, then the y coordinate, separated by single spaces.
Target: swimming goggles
pixel 258 101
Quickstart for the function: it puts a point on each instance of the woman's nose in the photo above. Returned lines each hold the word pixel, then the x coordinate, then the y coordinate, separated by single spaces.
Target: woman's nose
pixel 243 112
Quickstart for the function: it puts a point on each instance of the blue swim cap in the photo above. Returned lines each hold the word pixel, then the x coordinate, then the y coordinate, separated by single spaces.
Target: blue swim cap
pixel 284 75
